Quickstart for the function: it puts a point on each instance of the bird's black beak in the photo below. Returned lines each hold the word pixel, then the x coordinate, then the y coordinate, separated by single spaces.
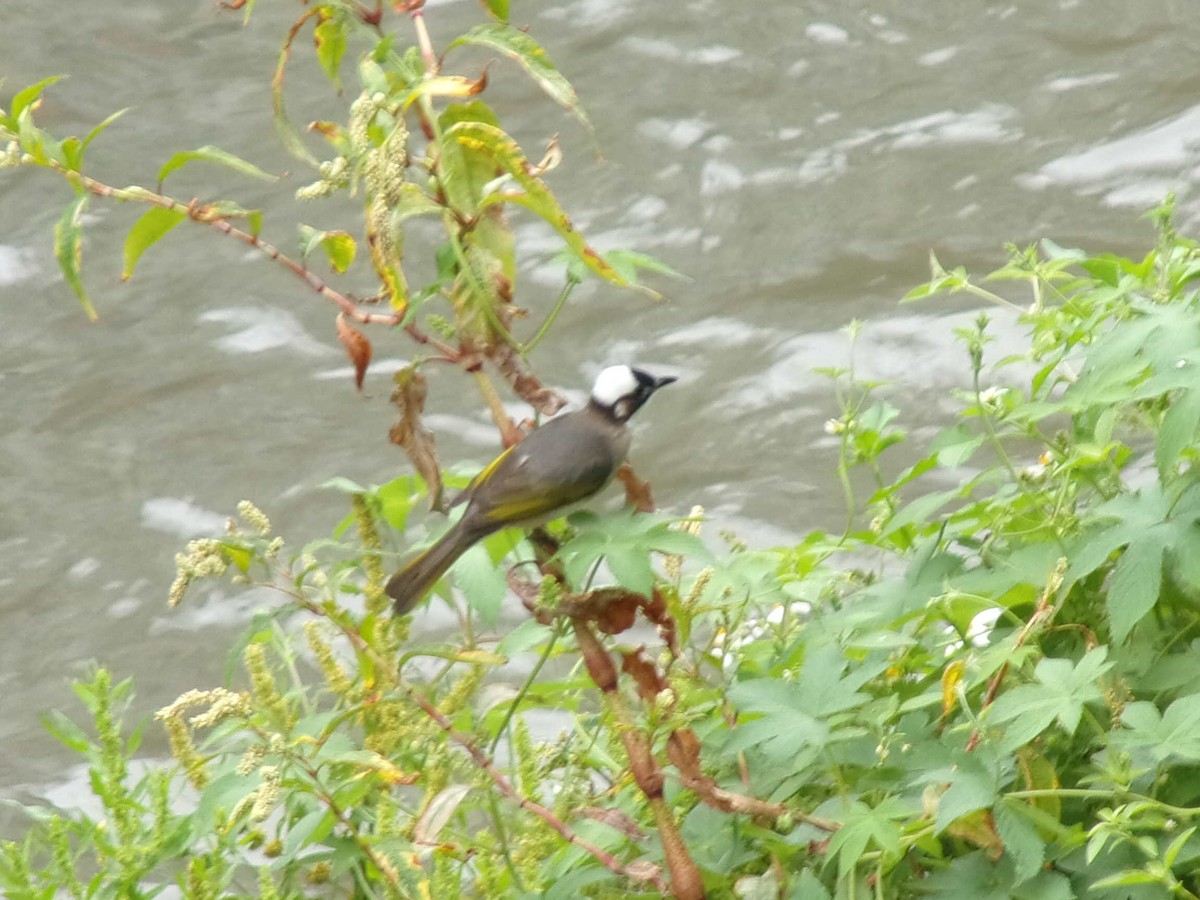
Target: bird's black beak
pixel 663 381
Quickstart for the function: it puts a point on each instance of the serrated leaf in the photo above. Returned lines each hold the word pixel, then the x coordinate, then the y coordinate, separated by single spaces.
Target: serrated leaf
pixel 213 155
pixel 1021 841
pixel 1135 585
pixel 154 224
pixel 1177 431
pixel 483 583
pixel 68 250
pixel 529 55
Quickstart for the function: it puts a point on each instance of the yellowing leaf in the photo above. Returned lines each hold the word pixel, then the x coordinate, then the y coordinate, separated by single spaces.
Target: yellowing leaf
pixel 951 678
pixel 490 141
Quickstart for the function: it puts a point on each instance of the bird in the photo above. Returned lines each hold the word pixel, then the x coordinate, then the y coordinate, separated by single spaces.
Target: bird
pixel 557 465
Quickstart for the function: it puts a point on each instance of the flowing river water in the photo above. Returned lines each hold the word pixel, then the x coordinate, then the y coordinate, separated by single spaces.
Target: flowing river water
pixel 796 160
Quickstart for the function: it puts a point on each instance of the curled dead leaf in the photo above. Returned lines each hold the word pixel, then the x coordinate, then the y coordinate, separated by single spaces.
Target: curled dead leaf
pixel 358 348
pixel 649 682
pixel 410 432
pixel 550 159
pixel 637 492
pixel 525 384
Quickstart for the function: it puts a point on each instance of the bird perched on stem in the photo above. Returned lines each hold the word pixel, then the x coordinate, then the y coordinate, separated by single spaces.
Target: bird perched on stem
pixel 566 460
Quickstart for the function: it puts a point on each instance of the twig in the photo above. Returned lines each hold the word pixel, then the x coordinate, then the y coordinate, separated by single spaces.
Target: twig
pixel 1044 611
pixel 636 873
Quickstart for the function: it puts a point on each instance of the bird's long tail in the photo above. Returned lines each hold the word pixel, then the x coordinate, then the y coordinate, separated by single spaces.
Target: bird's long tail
pixel 415 579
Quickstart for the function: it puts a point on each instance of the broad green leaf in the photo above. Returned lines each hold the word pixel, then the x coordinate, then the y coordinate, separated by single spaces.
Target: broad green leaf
pixel 68 250
pixel 1060 694
pixel 213 155
pixel 483 583
pixel 528 53
pixel 1135 584
pixel 1177 431
pixel 972 787
pixel 1173 734
pixel 1021 840
pixel 153 224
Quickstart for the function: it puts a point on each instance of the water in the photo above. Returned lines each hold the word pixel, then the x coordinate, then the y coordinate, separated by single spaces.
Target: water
pixel 797 163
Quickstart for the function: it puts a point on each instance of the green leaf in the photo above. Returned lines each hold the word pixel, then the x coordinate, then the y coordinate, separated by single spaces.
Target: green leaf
pixel 1060 695
pixel 68 250
pixel 153 225
pixel 25 98
pixel 1135 585
pixel 527 53
pixel 66 731
pixel 311 829
pixel 497 9
pixel 490 141
pixel 213 155
pixel 1177 431
pixel 482 582
pixel 330 39
pixel 340 248
pixel 1021 840
pixel 1173 734
pixel 972 787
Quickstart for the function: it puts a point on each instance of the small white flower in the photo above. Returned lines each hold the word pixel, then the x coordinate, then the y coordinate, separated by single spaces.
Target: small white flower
pixel 834 426
pixel 992 394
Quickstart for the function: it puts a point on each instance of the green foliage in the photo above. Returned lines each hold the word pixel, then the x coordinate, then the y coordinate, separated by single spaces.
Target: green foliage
pixel 988 689
pixel 997 698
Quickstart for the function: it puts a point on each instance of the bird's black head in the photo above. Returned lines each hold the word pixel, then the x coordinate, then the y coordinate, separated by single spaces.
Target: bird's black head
pixel 620 391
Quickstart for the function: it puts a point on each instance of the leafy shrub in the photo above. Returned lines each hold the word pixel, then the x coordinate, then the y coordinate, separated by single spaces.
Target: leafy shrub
pixel 984 691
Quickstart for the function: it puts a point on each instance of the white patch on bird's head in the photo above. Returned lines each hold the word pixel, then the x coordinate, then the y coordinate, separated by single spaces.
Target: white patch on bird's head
pixel 613 384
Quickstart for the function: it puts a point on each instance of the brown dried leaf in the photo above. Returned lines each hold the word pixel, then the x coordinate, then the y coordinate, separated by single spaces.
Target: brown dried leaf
pixel 643 672
pixel 637 492
pixel 683 750
pixel 410 432
pixel 358 348
pixel 614 610
pixel 550 160
pixel 479 85
pixel 525 384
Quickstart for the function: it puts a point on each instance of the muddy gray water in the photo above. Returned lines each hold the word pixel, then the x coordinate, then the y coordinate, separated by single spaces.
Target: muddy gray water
pixel 797 160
